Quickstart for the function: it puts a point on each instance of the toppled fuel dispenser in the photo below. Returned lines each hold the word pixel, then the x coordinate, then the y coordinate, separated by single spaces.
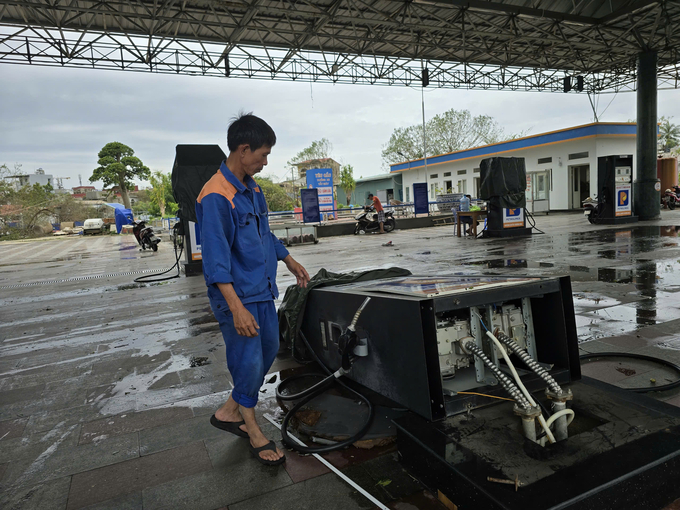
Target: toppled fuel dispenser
pixel 488 367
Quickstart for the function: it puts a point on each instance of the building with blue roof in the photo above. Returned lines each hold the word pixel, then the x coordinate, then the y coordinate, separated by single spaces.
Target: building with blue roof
pixel 561 165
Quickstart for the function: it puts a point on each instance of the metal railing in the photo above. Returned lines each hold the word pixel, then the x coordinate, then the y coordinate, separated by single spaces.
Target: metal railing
pixel 403 210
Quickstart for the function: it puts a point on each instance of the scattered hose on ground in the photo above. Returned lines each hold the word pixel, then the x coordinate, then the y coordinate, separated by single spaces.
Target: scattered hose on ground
pixel 310 394
pixel 652 359
pixel 151 278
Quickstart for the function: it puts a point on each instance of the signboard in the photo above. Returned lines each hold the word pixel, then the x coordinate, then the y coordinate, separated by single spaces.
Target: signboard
pixel 420 200
pixel 195 236
pixel 310 205
pixel 321 179
pixel 513 218
pixel 623 203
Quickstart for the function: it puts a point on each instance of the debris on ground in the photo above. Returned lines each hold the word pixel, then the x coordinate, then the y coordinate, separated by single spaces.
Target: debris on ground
pixel 626 371
pixel 308 417
pixel 367 444
pixel 388 243
pixel 198 361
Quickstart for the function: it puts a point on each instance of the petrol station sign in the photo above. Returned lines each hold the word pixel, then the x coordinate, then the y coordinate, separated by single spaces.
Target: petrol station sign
pixel 513 218
pixel 623 202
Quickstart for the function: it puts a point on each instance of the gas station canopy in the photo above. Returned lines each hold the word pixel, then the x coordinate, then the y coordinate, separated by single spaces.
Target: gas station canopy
pixel 589 45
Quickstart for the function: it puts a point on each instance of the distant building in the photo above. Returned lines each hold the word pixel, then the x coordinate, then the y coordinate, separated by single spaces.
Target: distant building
pixel 561 165
pixel 82 189
pixel 39 177
pixel 386 187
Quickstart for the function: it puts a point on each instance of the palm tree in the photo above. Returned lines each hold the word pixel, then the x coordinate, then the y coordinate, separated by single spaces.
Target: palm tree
pixel 669 134
pixel 347 182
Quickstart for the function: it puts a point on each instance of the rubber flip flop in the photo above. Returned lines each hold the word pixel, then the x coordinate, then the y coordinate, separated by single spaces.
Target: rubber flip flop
pixel 269 446
pixel 229 426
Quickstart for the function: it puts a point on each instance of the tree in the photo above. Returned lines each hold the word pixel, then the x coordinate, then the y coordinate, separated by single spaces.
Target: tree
pixel 318 150
pixel 669 134
pixel 276 197
pixel 453 130
pixel 347 182
pixel 29 206
pixel 161 192
pixel 118 165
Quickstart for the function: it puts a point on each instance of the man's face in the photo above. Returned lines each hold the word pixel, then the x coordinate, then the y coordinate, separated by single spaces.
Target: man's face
pixel 254 161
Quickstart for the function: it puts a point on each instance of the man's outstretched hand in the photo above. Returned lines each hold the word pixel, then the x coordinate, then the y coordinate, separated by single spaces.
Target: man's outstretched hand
pixel 244 322
pixel 296 268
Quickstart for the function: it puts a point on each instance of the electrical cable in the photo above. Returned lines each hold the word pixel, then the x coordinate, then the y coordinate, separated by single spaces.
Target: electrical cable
pixel 541 419
pixel 151 278
pixel 504 380
pixel 528 361
pixel 652 359
pixel 483 395
pixel 307 396
pixel 553 418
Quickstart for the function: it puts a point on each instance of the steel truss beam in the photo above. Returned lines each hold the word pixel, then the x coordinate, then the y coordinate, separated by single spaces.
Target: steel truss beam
pixel 464 44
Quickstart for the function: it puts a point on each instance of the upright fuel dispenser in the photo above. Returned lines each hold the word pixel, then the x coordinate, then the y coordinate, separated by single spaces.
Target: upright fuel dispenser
pixel 503 182
pixel 499 414
pixel 194 166
pixel 615 190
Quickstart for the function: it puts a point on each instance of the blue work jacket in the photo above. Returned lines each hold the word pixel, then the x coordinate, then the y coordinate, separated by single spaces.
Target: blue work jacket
pixel 237 246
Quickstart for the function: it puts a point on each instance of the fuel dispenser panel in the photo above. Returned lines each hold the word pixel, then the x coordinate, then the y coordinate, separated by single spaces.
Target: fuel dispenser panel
pixel 615 189
pixel 418 334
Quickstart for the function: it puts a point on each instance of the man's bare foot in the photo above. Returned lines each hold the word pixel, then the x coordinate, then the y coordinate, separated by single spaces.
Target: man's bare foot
pixel 234 417
pixel 259 441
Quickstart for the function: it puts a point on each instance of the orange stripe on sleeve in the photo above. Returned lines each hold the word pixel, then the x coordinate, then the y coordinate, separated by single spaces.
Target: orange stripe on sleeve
pixel 220 185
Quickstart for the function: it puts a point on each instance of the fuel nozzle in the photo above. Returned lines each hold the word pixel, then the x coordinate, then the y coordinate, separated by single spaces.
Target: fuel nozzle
pixel 346 344
pixel 349 339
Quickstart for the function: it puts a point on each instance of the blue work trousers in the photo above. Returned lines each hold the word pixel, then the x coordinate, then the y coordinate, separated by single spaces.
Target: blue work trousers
pixel 249 358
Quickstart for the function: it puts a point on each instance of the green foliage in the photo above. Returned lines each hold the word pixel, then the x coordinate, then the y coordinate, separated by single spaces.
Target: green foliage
pixel 118 165
pixel 319 149
pixel 669 134
pixel 347 182
pixel 277 200
pixel 453 130
pixel 160 196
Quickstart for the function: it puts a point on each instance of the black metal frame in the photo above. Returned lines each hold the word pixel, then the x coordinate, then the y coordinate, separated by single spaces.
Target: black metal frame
pixel 403 361
pixel 454 43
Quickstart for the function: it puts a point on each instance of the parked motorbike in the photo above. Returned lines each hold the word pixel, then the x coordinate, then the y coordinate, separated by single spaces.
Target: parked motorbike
pixel 591 209
pixel 145 236
pixel 670 199
pixel 367 221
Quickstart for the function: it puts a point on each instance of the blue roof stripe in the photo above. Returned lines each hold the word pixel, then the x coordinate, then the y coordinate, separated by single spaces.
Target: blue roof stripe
pixel 525 143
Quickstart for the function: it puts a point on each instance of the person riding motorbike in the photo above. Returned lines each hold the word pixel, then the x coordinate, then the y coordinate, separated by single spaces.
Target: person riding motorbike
pixel 379 209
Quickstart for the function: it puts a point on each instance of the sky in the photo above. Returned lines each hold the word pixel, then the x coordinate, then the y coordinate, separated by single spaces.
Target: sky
pixel 58 119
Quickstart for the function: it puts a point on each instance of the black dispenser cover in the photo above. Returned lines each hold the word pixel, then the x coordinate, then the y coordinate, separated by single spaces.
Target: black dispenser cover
pixel 504 179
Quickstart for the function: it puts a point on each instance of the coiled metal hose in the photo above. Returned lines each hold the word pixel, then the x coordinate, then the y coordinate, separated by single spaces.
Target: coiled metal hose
pixel 528 360
pixel 505 381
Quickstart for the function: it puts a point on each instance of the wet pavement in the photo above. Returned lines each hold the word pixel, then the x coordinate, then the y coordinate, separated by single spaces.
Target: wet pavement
pixel 100 406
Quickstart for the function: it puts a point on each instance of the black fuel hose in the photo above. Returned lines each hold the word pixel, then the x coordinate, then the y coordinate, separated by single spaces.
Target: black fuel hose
pixel 652 359
pixel 309 394
pixel 532 221
pixel 151 278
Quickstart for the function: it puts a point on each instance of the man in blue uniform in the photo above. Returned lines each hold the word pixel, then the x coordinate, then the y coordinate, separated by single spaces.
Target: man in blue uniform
pixel 240 258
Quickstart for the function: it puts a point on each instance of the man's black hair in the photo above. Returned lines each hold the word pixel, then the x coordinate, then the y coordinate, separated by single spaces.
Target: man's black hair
pixel 251 130
pixel 370 195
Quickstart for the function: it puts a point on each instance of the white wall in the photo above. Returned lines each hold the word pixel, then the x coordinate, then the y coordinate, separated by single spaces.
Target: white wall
pixel 559 152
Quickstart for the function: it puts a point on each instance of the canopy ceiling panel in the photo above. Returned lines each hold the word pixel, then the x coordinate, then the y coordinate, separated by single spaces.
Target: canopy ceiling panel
pixel 516 44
